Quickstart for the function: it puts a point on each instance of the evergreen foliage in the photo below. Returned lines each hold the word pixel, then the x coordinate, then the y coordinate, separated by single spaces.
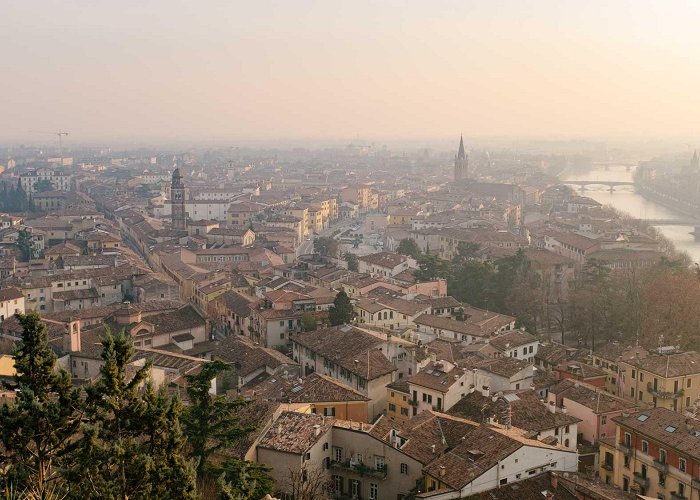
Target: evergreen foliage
pixel 341 311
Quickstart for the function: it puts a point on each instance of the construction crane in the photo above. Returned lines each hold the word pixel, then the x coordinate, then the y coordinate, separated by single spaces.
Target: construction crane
pixel 60 135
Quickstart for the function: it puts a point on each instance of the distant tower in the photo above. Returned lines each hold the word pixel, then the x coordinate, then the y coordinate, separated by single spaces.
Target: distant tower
pixel 177 195
pixel 461 162
pixel 695 163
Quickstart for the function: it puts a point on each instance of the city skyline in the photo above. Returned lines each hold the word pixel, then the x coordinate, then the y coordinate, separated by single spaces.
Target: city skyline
pixel 313 71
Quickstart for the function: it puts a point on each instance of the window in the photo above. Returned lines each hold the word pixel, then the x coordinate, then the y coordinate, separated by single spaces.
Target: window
pixel 681 490
pixel 392 407
pixel 681 464
pixel 628 439
pixel 338 454
pixel 634 374
pixel 427 398
pixel 404 468
pixel 373 491
pixel 338 484
pixel 645 447
pixel 329 411
pixel 603 420
pixel 641 377
pixel 404 412
pixel 325 446
pixel 662 456
pixel 688 383
pixel 566 429
pixel 354 488
pixel 379 463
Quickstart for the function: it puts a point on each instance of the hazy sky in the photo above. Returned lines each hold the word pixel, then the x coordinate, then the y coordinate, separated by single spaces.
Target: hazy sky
pixel 330 69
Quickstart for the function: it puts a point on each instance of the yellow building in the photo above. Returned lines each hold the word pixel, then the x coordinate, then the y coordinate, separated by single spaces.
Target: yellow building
pixel 398 399
pixel 662 380
pixel 654 453
pixel 608 358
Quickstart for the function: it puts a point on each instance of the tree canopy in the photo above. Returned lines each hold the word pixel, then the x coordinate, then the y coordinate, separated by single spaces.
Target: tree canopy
pixel 409 247
pixel 341 311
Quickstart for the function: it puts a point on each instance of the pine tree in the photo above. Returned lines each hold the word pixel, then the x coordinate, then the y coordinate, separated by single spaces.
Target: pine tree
pixel 341 311
pixel 36 431
pixel 210 421
pixel 241 480
pixel 131 444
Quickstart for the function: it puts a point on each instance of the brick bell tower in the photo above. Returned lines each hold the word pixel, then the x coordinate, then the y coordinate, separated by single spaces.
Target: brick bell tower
pixel 177 195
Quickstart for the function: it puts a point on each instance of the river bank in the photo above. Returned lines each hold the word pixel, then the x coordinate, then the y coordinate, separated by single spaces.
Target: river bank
pixel 628 200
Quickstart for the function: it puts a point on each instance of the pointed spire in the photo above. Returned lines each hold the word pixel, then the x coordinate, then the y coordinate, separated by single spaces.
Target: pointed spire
pixel 695 162
pixel 460 153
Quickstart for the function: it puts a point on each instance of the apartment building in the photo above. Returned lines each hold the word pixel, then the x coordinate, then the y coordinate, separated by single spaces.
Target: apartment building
pixel 655 453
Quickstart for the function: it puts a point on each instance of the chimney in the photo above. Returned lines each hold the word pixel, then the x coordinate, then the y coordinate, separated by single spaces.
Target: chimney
pixel 552 408
pixel 486 391
pixel 553 480
pixel 432 448
pixel 442 471
pixel 317 430
pixel 563 409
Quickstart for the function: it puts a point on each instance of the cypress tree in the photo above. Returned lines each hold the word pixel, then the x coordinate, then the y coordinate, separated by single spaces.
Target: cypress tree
pixel 131 444
pixel 37 430
pixel 341 310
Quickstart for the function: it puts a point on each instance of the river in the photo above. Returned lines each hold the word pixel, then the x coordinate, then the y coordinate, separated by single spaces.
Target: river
pixel 626 200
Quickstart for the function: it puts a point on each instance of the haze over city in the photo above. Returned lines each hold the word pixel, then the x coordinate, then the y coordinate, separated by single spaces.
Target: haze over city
pixel 296 250
pixel 305 70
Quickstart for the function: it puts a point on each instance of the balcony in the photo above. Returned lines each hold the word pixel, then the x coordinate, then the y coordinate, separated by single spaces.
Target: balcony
pixel 360 469
pixel 642 481
pixel 627 450
pixel 413 402
pixel 663 394
pixel 660 466
pixel 608 466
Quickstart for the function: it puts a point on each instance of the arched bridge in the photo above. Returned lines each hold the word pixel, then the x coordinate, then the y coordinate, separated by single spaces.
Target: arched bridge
pixel 610 184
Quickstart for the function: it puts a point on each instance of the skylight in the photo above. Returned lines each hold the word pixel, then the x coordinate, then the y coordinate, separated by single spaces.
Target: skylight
pixel 670 428
pixel 643 417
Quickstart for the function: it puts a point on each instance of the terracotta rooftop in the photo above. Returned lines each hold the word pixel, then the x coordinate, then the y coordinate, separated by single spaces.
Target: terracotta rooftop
pixel 435 376
pixel 295 432
pixel 528 412
pixel 246 357
pixel 350 347
pixel 595 399
pixel 384 259
pixel 315 388
pixel 419 434
pixel 512 339
pixel 666 427
pixel 671 365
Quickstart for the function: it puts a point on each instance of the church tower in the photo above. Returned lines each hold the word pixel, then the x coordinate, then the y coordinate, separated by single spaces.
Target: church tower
pixel 461 162
pixel 695 163
pixel 177 195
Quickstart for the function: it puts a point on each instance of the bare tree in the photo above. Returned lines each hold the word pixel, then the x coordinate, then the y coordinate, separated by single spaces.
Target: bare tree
pixel 308 483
